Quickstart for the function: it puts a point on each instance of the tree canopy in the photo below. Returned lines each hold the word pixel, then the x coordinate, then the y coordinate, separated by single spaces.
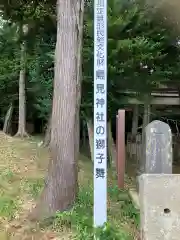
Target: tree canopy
pixel 142 54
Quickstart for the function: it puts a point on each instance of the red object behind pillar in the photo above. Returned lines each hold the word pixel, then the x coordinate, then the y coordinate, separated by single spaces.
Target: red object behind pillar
pixel 120 146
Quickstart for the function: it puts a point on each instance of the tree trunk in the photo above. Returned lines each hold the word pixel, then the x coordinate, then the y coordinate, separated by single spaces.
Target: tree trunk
pixel 7 120
pixel 135 121
pixel 22 98
pixel 146 116
pixel 146 120
pixel 61 184
pixel 79 75
pixel 111 147
pixel 91 137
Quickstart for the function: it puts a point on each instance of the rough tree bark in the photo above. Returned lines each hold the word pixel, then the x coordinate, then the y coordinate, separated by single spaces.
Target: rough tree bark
pixel 146 120
pixel 135 121
pixel 80 18
pixel 146 116
pixel 22 95
pixel 60 189
pixel 7 119
pixel 91 137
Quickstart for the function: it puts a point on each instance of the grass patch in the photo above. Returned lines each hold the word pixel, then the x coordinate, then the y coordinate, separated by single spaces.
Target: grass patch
pixel 7 175
pixel 8 194
pixel 116 194
pixel 130 212
pixel 22 167
pixel 34 187
pixel 80 218
pixel 8 207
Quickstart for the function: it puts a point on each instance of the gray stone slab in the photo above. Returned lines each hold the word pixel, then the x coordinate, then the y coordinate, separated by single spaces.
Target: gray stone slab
pixel 158 155
pixel 159 197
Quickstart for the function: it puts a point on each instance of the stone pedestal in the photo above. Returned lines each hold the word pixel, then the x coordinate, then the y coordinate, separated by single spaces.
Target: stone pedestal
pixel 160 206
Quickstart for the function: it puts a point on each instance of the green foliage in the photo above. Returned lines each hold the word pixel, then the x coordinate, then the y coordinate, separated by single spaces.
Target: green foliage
pixel 31 12
pixel 7 175
pixel 108 232
pixel 115 193
pixel 130 212
pixel 8 207
pixel 141 53
pixel 41 74
pixel 8 202
pixel 9 67
pixel 80 218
